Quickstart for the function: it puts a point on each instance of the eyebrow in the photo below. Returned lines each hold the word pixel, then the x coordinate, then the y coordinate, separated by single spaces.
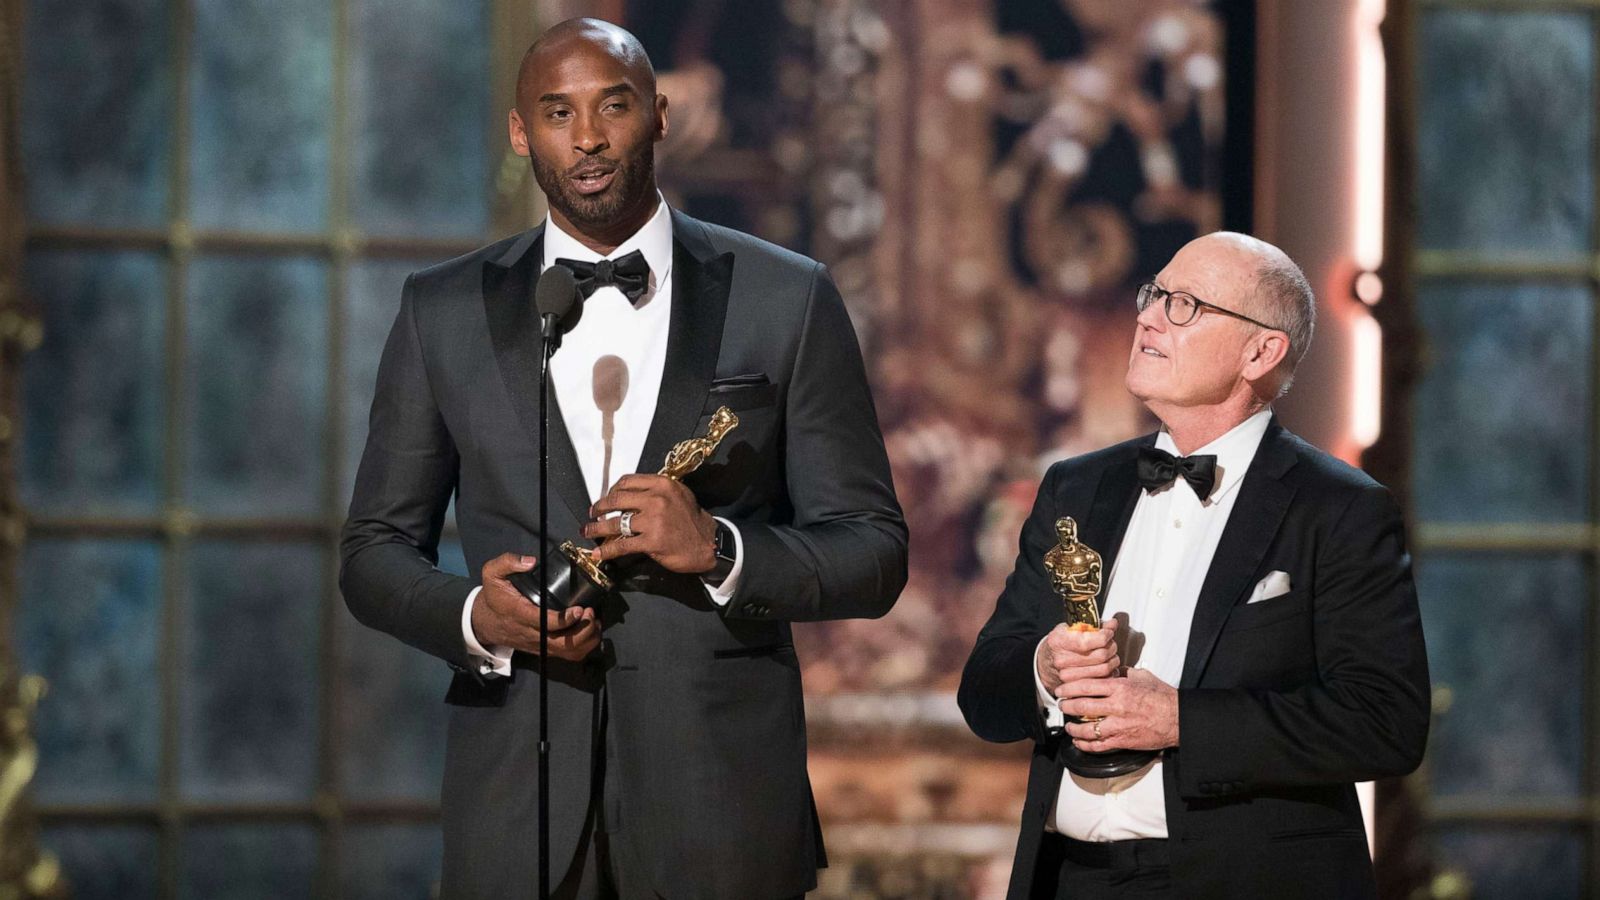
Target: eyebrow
pixel 613 90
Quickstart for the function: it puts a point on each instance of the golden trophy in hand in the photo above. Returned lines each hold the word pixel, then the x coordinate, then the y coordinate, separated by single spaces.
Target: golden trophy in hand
pixel 576 577
pixel 1076 574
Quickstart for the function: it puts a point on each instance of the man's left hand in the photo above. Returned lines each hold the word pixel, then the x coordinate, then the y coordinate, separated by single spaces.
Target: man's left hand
pixel 1139 712
pixel 667 522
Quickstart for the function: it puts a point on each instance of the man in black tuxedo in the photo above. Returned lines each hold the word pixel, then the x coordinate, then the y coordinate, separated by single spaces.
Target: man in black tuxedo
pixel 678 731
pixel 1259 589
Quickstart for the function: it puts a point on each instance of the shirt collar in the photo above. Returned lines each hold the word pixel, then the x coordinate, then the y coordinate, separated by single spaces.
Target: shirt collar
pixel 654 240
pixel 1235 450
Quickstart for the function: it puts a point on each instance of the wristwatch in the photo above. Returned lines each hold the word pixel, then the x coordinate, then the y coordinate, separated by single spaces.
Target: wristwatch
pixel 726 549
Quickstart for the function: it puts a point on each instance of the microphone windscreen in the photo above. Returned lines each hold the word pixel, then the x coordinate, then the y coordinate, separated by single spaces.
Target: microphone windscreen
pixel 557 295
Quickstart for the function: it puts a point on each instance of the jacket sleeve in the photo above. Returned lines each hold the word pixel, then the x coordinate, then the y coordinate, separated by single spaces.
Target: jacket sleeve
pixel 998 696
pixel 389 548
pixel 1365 716
pixel 843 553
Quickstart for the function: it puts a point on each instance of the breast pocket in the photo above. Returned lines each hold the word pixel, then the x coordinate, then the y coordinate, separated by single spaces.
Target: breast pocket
pixel 1250 616
pixel 741 392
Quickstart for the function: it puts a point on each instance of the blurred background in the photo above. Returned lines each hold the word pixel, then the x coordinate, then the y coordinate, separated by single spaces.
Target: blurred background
pixel 207 208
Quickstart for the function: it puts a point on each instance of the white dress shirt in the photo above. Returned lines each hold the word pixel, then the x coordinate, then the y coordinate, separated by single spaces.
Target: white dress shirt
pixel 606 378
pixel 1155 583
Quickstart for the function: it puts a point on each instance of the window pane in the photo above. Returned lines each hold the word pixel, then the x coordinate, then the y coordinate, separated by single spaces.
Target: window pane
pixel 372 299
pixel 97 112
pixel 1505 154
pixel 248 862
pixel 90 624
pixel 93 390
pixel 262 105
pixel 1503 410
pixel 1514 863
pixel 257 340
pixel 106 862
pixel 392 717
pixel 391 862
pixel 1515 726
pixel 250 695
pixel 419 105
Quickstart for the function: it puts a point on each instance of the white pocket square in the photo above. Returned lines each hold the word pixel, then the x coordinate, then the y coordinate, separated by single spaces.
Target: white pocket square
pixel 1276 584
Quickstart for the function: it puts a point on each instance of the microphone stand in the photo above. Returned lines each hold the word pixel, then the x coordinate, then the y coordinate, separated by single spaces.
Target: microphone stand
pixel 552 340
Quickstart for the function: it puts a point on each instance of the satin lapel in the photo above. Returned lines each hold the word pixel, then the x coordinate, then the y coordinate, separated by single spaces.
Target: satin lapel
pixel 1257 514
pixel 514 332
pixel 1112 510
pixel 700 284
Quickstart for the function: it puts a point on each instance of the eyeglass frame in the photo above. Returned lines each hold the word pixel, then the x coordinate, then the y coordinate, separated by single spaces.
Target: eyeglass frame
pixel 1166 307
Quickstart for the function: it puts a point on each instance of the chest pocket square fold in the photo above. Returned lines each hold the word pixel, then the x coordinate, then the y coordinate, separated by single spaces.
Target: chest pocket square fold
pixel 1276 584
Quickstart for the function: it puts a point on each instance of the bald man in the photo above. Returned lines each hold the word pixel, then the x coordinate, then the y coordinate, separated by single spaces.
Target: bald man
pixel 1261 649
pixel 678 751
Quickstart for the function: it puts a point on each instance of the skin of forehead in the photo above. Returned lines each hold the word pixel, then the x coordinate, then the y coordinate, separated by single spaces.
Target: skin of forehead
pixel 576 37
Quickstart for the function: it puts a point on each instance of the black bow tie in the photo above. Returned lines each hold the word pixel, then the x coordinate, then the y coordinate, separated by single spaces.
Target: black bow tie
pixel 628 273
pixel 1158 468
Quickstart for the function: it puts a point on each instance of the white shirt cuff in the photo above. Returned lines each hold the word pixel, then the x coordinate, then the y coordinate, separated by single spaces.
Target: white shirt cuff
pixel 722 594
pixel 490 661
pixel 1053 717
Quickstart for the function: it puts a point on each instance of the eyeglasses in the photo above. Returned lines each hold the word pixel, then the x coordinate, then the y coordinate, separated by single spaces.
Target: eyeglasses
pixel 1182 308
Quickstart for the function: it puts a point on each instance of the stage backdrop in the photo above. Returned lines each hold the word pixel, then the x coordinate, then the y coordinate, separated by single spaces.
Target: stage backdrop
pixel 224 198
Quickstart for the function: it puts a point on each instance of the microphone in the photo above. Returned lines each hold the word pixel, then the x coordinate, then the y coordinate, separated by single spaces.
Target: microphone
pixel 560 307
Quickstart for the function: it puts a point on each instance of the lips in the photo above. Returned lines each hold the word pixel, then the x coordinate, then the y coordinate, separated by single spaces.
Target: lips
pixel 1151 351
pixel 593 180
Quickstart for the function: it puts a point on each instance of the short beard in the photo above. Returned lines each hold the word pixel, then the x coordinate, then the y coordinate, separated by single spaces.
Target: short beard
pixel 604 212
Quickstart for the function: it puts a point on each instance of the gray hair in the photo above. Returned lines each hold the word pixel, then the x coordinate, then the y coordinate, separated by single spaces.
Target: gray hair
pixel 1285 298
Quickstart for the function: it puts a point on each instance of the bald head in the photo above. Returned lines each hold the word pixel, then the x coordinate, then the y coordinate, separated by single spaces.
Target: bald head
pixel 584 36
pixel 1277 293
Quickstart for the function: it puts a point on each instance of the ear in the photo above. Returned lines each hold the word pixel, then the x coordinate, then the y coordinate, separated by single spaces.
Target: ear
pixel 661 117
pixel 519 134
pixel 1263 353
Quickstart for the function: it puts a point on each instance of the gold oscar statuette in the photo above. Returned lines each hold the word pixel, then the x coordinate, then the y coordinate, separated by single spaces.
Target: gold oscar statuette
pixel 682 460
pixel 1075 573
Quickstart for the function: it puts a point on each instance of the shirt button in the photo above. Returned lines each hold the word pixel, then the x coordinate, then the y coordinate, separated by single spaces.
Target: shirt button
pixel 1161 592
pixel 1177 523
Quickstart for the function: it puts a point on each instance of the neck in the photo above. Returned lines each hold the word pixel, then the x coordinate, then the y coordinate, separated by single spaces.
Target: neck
pixel 605 238
pixel 1194 427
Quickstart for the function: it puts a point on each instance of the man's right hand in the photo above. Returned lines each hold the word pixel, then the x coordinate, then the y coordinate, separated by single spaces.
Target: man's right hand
pixel 1068 655
pixel 501 616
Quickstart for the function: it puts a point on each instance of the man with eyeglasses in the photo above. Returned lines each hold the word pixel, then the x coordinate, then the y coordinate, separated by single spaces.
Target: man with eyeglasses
pixel 1261 649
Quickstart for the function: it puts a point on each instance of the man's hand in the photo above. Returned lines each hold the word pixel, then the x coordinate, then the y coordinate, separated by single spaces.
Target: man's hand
pixel 667 522
pixel 502 616
pixel 1139 712
pixel 1068 655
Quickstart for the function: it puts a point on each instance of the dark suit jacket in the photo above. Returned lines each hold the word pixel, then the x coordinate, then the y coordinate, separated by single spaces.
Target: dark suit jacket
pixel 706 760
pixel 1283 704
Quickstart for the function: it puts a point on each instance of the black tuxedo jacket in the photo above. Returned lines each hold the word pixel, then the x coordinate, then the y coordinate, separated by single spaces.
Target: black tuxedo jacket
pixel 1283 705
pixel 705 764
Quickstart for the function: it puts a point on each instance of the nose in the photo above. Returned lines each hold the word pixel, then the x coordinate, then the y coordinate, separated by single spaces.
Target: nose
pixel 587 136
pixel 1154 316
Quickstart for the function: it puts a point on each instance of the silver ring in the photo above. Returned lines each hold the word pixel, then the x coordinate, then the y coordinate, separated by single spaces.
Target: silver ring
pixel 625 522
pixel 1097 730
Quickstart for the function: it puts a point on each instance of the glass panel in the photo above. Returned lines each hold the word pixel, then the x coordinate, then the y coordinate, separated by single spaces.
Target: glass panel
pixel 1513 863
pixel 103 862
pixel 93 390
pixel 258 376
pixel 371 303
pixel 1508 369
pixel 391 862
pixel 392 720
pixel 419 105
pixel 90 624
pixel 248 862
pixel 250 696
pixel 1515 725
pixel 262 105
pixel 97 112
pixel 1507 107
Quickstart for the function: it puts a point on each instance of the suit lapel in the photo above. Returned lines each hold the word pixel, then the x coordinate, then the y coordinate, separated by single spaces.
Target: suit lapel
pixel 1263 500
pixel 700 282
pixel 508 285
pixel 1112 510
